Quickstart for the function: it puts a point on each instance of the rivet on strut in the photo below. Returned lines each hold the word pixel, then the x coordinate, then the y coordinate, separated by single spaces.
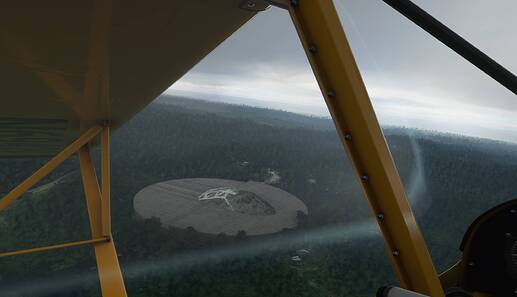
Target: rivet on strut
pixel 251 4
pixel 312 49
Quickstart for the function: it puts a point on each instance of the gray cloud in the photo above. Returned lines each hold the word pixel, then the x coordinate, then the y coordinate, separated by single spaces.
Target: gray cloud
pixel 405 70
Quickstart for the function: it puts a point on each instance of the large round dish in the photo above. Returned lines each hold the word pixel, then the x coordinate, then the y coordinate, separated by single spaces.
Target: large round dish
pixel 177 204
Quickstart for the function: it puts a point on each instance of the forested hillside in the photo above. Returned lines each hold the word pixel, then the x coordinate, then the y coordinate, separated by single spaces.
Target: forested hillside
pixel 450 179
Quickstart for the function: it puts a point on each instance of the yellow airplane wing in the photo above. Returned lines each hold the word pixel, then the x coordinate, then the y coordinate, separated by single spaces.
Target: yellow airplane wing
pixel 66 65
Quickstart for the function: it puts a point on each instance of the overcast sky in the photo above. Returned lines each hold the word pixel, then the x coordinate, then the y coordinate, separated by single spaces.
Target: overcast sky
pixel 413 80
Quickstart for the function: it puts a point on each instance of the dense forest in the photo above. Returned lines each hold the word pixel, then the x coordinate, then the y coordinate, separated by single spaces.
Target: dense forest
pixel 338 251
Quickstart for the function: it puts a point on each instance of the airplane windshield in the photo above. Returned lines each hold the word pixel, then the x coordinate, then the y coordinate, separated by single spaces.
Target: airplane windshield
pixel 234 182
pixel 459 123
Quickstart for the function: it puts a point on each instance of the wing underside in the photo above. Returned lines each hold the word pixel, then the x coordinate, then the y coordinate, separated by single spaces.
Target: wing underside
pixel 65 65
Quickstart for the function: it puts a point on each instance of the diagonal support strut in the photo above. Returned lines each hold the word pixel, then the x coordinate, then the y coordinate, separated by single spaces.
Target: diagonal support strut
pixel 49 167
pixel 110 275
pixel 339 79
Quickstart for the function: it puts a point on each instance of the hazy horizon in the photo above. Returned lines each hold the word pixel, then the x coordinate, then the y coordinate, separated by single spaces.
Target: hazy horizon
pixel 263 104
pixel 413 80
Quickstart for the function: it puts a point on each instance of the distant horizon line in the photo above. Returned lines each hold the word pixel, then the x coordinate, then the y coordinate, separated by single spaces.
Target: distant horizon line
pixel 329 118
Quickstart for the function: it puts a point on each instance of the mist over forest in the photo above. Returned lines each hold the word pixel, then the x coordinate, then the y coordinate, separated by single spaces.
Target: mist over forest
pixel 450 180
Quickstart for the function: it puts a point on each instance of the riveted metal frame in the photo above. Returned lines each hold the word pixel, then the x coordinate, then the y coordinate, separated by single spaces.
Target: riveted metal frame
pixel 339 79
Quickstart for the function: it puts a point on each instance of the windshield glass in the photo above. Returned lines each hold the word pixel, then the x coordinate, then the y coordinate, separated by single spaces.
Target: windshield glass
pixel 235 183
pixel 459 122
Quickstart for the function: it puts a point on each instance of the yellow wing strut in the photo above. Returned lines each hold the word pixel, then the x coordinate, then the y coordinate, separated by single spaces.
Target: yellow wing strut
pixel 49 167
pixel 334 66
pixel 110 275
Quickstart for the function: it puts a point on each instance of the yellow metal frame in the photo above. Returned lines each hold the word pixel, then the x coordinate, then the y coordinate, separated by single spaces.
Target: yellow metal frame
pixel 98 203
pixel 339 79
pixel 53 247
pixel 49 167
pixel 110 275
